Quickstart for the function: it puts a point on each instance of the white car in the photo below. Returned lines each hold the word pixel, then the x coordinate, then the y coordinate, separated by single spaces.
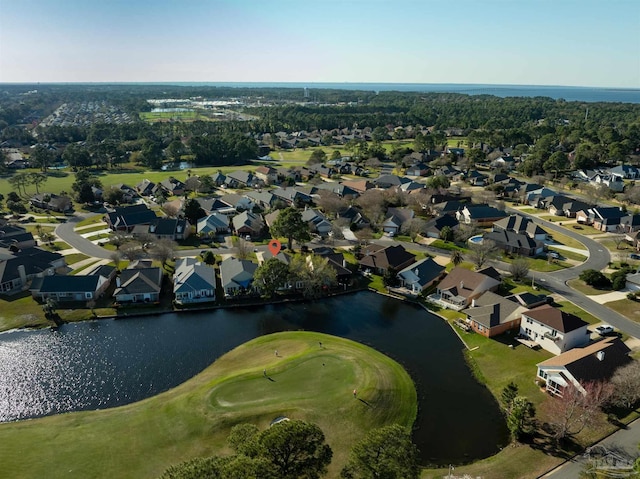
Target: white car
pixel 604 330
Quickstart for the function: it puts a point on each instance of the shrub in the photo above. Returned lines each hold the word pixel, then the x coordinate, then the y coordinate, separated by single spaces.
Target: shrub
pixel 595 278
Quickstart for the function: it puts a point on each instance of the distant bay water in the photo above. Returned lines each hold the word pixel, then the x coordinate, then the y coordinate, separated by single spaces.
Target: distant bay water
pixel 569 93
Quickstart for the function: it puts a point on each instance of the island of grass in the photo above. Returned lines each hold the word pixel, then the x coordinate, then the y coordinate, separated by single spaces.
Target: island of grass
pixel 312 378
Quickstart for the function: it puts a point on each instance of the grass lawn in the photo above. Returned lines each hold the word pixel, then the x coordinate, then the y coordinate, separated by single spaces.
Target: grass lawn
pixel 448 246
pixel 584 288
pixel 566 240
pixel 20 311
pixel 569 307
pixel 75 258
pixel 582 229
pixel 611 246
pixel 531 211
pixel 142 439
pixel 55 246
pixel 91 221
pixel 627 308
pixel 540 264
pixel 569 254
pixel 509 286
pixel 91 229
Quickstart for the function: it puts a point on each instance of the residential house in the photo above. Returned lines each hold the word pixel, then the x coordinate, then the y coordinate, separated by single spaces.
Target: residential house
pixel 532 197
pixel 629 223
pixel 491 314
pixel 15 237
pixel 461 286
pixel 292 196
pixel 613 182
pixel 238 202
pixel 378 259
pixel 554 204
pixel 480 215
pixel 354 216
pixel 317 222
pixel 323 170
pixel 128 193
pixel 18 267
pixel 216 205
pixel 419 169
pixel 433 228
pixel 213 224
pixel 337 262
pixel 530 300
pixel 515 243
pixel 602 218
pixel 267 174
pixel 521 224
pixel 52 202
pixel 170 186
pixel 390 181
pixel 571 208
pixel 236 276
pixel 174 229
pixel 218 179
pixel 553 329
pixel 248 224
pixel 359 185
pixel 582 365
pixel 193 183
pixel 241 179
pixel 626 172
pixel 339 189
pixel 73 288
pixel 193 282
pixel 125 218
pixel 420 275
pixel 395 218
pixel 138 284
pixel 475 178
pixel 145 187
pixel 506 163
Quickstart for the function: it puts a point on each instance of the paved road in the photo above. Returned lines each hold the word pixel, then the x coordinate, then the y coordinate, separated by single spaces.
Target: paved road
pixel 599 258
pixel 626 439
pixel 65 233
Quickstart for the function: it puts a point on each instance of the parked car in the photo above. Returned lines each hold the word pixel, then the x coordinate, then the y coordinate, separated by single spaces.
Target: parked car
pixel 604 330
pixel 634 256
pixel 554 255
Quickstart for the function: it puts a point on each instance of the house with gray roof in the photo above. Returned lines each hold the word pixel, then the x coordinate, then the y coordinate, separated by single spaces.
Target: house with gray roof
pixel 215 223
pixel 480 215
pixel 18 267
pixel 74 288
pixel 248 224
pixel 193 282
pixel 491 314
pixel 236 276
pixel 174 229
pixel 125 218
pixel 461 286
pixel 145 187
pixel 395 218
pixel 53 202
pixel 420 275
pixel 553 329
pixel 522 225
pixel 16 237
pixel 241 179
pixel 138 285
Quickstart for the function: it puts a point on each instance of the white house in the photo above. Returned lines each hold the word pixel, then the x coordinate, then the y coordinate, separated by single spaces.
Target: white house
pixel 553 329
pixel 595 362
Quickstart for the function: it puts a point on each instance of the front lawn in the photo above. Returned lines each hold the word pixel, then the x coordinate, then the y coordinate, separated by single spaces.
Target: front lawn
pixel 584 288
pixel 626 307
pixel 569 307
pixel 448 246
pixel 566 240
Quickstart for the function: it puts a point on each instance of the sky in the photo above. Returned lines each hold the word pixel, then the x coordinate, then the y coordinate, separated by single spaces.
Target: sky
pixel 520 42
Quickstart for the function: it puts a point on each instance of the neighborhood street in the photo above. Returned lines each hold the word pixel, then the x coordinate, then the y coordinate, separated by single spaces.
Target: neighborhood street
pixel 623 439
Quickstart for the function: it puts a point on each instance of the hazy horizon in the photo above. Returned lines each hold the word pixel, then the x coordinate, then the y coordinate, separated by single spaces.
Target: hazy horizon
pixel 588 43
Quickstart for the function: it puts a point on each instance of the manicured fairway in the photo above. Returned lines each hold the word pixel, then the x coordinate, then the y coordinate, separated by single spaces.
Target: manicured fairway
pixel 304 381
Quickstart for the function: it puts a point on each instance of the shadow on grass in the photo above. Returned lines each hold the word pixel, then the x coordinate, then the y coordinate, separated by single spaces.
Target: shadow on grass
pixel 364 402
pixel 542 440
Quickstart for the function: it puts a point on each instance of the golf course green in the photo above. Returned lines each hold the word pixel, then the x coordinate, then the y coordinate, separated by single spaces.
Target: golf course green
pixel 300 375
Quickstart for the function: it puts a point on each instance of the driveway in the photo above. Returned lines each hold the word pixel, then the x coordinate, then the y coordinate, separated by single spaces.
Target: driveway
pixel 66 233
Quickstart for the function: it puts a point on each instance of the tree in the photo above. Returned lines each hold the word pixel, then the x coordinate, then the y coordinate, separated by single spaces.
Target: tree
pixel 386 452
pixel 19 181
pixel 520 417
pixel 519 268
pixel 113 196
pixel 49 307
pixel 41 156
pixel 163 250
pixel 171 209
pixel 243 439
pixel 595 278
pixel 151 154
pixel 290 225
pixel 372 203
pixel 626 385
pixel 446 233
pixel 230 467
pixel 208 257
pixel 574 411
pixel 116 257
pixel 618 240
pixel 77 156
pixel 176 149
pixel 413 227
pixel 317 156
pixel 437 182
pixel 558 161
pixel 296 448
pixel 509 393
pixel 37 179
pixel 330 203
pixel 270 276
pixel 481 253
pixel 456 257
pixel 241 248
pixel 131 251
pixel 315 275
pixel 193 211
pixel 390 278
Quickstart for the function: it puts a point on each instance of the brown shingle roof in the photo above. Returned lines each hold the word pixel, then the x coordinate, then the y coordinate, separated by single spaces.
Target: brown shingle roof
pixel 555 318
pixel 470 279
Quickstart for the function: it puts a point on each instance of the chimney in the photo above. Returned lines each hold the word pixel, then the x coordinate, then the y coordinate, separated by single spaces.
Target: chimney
pixel 461 284
pixel 152 228
pixel 600 355
pixel 473 303
pixel 117 281
pixel 23 274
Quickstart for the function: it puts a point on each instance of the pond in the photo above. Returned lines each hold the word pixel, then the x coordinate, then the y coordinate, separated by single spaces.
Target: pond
pixel 101 364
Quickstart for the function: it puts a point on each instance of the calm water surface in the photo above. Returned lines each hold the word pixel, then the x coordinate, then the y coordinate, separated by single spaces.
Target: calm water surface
pixel 103 364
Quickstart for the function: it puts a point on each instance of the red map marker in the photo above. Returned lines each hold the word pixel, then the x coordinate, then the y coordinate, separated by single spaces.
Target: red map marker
pixel 275 246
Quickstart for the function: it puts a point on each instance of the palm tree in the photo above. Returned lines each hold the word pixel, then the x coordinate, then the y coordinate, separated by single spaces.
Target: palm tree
pixel 456 257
